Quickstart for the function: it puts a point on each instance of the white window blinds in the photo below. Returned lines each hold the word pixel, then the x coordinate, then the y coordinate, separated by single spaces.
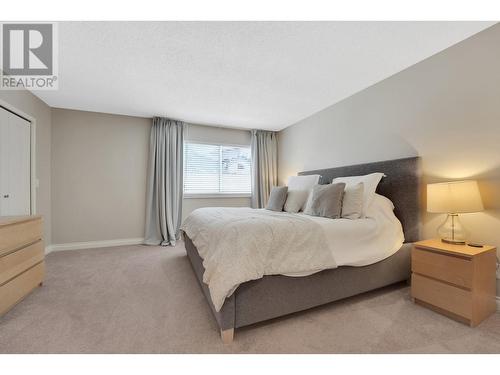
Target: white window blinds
pixel 216 169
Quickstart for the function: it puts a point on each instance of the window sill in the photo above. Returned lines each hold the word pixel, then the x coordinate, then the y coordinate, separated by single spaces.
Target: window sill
pixel 216 195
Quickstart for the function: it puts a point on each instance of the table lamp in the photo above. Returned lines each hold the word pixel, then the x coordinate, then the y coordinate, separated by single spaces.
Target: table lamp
pixel 453 198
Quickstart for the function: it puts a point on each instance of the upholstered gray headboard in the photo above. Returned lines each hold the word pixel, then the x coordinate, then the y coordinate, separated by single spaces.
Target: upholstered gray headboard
pixel 401 185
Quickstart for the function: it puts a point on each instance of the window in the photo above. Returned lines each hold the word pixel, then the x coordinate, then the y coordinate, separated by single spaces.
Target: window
pixel 216 169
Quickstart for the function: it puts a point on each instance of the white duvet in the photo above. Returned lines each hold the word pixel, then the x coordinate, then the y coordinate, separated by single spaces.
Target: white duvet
pixel 243 244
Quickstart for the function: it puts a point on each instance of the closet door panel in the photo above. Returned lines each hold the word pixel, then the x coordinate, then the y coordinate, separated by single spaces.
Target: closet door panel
pixel 15 165
pixel 19 164
pixel 4 162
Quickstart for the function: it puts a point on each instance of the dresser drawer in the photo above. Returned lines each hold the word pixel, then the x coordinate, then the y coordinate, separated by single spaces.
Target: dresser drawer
pixel 16 235
pixel 452 269
pixel 13 291
pixel 20 260
pixel 444 296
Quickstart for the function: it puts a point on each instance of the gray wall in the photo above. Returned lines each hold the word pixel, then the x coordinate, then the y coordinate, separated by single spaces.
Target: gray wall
pixel 29 104
pixel 99 167
pixel 99 164
pixel 445 109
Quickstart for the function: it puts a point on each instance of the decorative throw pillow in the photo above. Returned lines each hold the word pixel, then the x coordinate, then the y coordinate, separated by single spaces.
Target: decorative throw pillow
pixel 303 182
pixel 295 200
pixel 301 186
pixel 326 201
pixel 352 203
pixel 277 198
pixel 370 182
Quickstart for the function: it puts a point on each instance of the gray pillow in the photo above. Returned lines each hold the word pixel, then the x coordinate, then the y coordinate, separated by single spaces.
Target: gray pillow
pixel 295 200
pixel 326 201
pixel 277 198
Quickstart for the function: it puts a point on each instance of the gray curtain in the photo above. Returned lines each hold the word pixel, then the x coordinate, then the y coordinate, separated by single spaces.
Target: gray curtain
pixel 264 166
pixel 165 182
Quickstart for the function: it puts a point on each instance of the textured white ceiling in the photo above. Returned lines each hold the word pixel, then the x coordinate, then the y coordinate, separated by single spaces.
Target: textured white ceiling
pixel 265 75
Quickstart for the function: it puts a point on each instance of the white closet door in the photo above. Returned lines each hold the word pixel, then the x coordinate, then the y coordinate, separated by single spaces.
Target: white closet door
pixel 20 166
pixel 15 167
pixel 4 161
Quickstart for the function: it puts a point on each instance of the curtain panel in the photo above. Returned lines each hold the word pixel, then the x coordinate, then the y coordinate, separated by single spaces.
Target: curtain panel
pixel 165 182
pixel 264 166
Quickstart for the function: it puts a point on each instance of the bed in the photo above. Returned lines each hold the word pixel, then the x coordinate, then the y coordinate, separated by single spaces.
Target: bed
pixel 273 296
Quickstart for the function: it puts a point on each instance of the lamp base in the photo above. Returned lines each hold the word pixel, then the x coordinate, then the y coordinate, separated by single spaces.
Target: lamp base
pixel 452 231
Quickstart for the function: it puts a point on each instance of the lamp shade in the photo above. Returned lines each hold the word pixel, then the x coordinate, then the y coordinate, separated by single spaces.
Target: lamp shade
pixel 454 197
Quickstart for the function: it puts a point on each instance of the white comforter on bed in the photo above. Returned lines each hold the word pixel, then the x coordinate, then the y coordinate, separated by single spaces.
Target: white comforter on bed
pixel 243 244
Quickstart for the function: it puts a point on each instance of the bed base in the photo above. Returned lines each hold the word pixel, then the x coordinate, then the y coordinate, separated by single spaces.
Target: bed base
pixel 277 295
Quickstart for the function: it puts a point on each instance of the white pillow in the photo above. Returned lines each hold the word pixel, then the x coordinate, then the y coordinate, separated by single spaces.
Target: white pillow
pixel 299 188
pixel 352 203
pixel 370 182
pixel 303 182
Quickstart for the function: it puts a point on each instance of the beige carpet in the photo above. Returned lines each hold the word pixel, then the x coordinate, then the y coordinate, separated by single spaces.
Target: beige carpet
pixel 136 299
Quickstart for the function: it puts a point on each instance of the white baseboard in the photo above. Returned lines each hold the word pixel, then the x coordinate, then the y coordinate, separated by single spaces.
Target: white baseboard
pixel 93 244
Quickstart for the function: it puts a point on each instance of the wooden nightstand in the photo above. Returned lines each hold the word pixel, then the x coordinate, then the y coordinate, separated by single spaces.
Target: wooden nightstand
pixel 458 281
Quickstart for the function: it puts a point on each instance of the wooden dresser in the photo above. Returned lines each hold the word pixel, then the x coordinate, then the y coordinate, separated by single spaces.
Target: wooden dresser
pixel 456 280
pixel 21 258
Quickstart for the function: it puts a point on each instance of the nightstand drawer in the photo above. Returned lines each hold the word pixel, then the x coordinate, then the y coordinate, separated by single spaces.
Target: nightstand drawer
pixel 19 261
pixel 444 296
pixel 452 269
